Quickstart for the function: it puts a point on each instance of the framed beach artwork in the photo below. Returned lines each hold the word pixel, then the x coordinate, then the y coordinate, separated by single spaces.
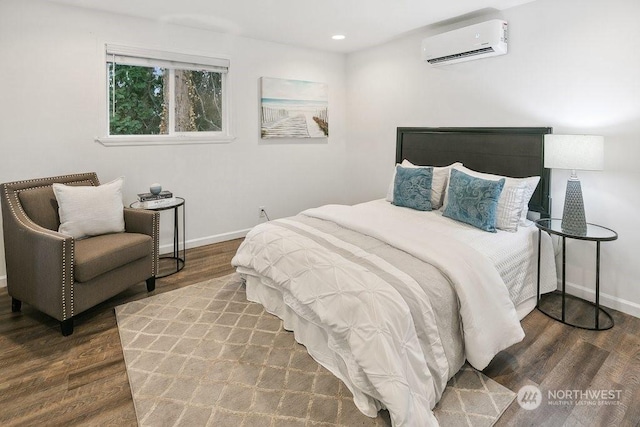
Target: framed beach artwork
pixel 293 109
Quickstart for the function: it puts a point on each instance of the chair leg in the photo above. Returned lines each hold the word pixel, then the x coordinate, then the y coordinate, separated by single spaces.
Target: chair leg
pixel 151 284
pixel 66 326
pixel 16 305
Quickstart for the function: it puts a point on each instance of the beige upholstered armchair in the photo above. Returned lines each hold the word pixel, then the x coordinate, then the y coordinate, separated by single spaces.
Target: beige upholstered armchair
pixel 62 276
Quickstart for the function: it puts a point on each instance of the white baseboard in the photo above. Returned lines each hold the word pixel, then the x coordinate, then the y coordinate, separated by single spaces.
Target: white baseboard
pixel 193 243
pixel 606 300
pixel 202 241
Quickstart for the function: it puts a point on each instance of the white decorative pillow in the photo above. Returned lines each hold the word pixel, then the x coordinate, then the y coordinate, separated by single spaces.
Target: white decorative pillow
pixel 90 211
pixel 532 184
pixel 438 182
pixel 512 200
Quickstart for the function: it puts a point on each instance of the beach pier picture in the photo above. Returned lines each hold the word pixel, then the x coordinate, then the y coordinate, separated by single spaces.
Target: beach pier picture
pixel 294 109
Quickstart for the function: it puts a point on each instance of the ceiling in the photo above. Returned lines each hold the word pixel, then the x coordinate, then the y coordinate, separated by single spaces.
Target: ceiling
pixel 305 23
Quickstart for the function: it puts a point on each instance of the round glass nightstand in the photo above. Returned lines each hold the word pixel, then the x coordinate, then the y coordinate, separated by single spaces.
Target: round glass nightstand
pixel 570 309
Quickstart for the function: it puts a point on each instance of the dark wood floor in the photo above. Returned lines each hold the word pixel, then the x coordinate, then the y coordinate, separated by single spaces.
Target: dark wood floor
pixel 48 379
pixel 558 358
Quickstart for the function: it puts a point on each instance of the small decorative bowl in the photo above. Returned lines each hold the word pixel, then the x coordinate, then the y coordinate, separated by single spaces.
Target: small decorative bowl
pixel 155 188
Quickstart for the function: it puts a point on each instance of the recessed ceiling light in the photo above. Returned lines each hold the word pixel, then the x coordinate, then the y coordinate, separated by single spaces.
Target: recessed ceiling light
pixel 338 37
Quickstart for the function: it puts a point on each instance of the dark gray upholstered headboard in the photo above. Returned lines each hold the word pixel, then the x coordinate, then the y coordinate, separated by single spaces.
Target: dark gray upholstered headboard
pixel 515 152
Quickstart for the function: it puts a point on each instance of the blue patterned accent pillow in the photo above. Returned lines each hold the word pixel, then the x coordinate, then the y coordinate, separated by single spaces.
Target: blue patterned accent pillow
pixel 473 200
pixel 412 188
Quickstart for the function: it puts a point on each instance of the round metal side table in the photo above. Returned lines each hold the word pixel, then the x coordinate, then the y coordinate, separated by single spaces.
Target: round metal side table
pixel 555 304
pixel 175 256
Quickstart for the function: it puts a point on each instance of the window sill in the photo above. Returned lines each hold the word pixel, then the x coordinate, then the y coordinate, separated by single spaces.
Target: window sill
pixel 137 140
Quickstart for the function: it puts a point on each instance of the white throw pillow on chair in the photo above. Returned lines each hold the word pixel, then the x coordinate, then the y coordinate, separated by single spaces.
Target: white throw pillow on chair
pixel 90 211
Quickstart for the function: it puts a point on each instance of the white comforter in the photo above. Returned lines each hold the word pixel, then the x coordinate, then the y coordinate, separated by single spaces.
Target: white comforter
pixel 368 319
pixel 488 315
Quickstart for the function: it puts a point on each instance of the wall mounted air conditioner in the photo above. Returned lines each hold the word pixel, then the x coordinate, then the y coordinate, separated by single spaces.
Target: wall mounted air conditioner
pixel 465 44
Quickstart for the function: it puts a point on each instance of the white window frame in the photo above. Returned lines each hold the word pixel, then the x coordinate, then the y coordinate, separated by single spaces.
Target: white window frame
pixel 128 55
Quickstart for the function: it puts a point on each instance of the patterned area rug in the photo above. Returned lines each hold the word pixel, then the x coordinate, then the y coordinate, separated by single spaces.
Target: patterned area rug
pixel 204 355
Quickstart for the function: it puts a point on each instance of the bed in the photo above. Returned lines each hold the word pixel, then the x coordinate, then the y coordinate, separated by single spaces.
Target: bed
pixel 393 300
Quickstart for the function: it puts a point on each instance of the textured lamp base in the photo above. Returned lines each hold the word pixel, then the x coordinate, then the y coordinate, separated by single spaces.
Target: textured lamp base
pixel 573 218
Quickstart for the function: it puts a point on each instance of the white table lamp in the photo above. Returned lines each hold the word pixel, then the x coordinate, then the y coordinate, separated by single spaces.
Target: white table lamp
pixel 574 152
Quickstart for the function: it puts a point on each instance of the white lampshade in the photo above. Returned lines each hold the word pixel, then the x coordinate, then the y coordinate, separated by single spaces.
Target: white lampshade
pixel 581 152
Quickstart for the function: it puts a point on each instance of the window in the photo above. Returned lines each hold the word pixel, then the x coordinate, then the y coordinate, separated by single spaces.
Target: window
pixel 161 97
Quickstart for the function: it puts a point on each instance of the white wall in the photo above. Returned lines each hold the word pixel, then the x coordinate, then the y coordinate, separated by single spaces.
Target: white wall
pixel 52 106
pixel 573 65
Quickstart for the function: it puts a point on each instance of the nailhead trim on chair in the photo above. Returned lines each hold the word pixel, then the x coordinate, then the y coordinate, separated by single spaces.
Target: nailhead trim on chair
pixel 156 232
pixel 64 261
pixel 64 270
pixel 72 274
pixel 51 179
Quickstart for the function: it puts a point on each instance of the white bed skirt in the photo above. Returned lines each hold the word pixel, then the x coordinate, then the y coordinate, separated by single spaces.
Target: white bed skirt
pixel 526 307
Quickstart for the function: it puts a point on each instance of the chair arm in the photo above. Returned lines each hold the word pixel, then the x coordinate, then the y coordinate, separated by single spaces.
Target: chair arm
pixel 145 222
pixel 49 288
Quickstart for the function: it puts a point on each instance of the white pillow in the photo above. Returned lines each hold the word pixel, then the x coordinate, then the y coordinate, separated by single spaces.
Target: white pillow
pixel 513 199
pixel 90 211
pixel 438 182
pixel 532 184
